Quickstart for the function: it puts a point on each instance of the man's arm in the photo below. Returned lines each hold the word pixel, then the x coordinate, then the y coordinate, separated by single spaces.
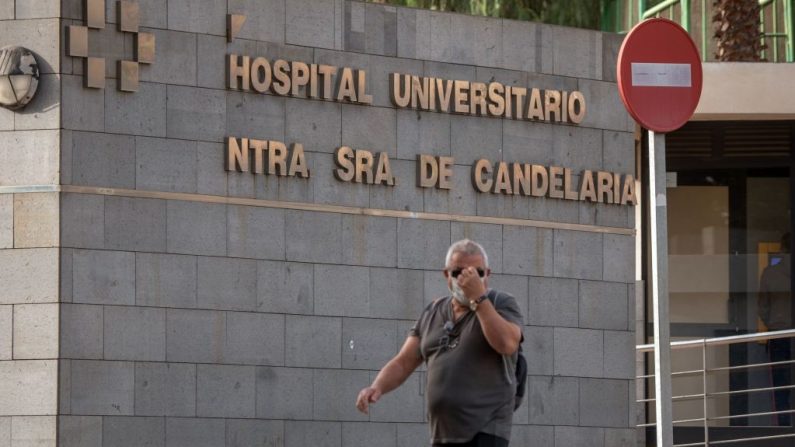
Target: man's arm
pixel 392 375
pixel 502 335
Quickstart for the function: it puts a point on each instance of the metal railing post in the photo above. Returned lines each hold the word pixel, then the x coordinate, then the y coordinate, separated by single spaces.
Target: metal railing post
pixel 704 30
pixel 788 21
pixel 704 384
pixel 685 8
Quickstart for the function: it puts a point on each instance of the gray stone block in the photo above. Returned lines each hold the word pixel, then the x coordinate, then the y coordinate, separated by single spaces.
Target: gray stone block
pixel 621 437
pixel 36 220
pixel 143 113
pixel 611 43
pixel 286 189
pixel 553 400
pixel 373 30
pixel 251 115
pixel 165 280
pixel 405 404
pixel 255 232
pixel 566 436
pixel 6 332
pixel 165 165
pixel 576 254
pixel 181 432
pixel 43 111
pixel 527 251
pixel 134 333
pixel 176 58
pixel 579 352
pixel 571 52
pixel 414 33
pixel 152 13
pixel 369 240
pixel 315 124
pixel 212 56
pixel 196 228
pixel 553 302
pixel 244 433
pixel 303 433
pixel 465 39
pixel 28 387
pixel 578 148
pixel 30 158
pixel 370 128
pixel 528 142
pixel 487 235
pixel 38 35
pixel 225 391
pixel 333 390
pixel 103 160
pixel 7 221
pixel 64 380
pixel 435 286
pixel 603 305
pixel 463 198
pixel 196 113
pixel 411 435
pixel 285 287
pixel 619 258
pixel 102 387
pixel 620 355
pixel 328 190
pixel 367 343
pixel 502 205
pixel 227 283
pixel 133 431
pixel 135 224
pixel 520 41
pixel 422 133
pixel 473 138
pixel 35 331
pixel 80 431
pixel 254 338
pixel 618 152
pixel 265 20
pixel 82 221
pixel 312 23
pixel 535 435
pixel 396 293
pixel 516 286
pixel 33 431
pixel 165 389
pixel 195 336
pixel 603 403
pixel 7 13
pixel 539 349
pixel 313 342
pixel 342 290
pixel 81 331
pixel 29 275
pixel 378 76
pixel 197 16
pixel 314 237
pixel 422 244
pixel 210 175
pixel 369 434
pixel 604 97
pixel 282 393
pixel 404 195
pixel 103 277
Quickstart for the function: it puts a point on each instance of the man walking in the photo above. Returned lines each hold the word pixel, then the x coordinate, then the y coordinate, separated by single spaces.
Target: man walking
pixel 469 342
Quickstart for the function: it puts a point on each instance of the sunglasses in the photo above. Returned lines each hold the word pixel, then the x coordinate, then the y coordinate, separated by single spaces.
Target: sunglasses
pixel 456 272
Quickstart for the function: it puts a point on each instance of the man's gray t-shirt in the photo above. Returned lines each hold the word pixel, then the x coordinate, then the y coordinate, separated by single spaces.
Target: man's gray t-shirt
pixel 470 386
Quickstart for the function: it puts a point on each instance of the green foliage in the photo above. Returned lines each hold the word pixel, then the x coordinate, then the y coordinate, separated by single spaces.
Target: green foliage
pixel 575 13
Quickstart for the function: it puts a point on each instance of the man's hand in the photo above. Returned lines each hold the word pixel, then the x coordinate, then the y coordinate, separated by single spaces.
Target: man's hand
pixel 366 397
pixel 471 283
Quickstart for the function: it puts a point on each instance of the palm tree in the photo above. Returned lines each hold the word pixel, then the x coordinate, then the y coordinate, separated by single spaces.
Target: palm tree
pixel 737 30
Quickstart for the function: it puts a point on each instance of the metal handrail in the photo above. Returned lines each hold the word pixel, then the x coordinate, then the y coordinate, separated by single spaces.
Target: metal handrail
pixel 705 371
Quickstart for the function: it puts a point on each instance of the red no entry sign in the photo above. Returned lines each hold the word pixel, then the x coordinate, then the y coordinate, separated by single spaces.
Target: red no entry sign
pixel 659 75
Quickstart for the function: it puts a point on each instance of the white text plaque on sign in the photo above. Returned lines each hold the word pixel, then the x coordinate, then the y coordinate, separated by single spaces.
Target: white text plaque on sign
pixel 646 74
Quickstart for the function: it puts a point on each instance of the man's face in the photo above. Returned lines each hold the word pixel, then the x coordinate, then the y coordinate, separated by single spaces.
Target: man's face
pixel 460 261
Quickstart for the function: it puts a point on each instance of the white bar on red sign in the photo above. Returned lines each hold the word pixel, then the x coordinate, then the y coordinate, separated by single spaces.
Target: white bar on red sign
pixel 646 74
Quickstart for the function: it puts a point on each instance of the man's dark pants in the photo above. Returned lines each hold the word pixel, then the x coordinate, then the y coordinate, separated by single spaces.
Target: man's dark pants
pixel 782 376
pixel 480 440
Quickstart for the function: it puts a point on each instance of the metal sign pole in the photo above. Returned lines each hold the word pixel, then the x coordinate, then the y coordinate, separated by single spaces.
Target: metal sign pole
pixel 658 227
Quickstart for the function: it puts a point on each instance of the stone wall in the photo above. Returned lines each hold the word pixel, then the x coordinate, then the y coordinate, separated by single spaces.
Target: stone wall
pixel 203 307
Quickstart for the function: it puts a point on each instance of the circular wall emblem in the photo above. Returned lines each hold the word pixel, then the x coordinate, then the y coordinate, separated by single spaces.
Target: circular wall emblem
pixel 19 77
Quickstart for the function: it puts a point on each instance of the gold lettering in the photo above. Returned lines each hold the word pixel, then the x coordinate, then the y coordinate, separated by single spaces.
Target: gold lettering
pixel 313 82
pixel 346 91
pixel 277 158
pixel 481 167
pixel 298 163
pixel 604 187
pixel 570 194
pixel 628 195
pixel 427 171
pixel 361 88
pixel 519 93
pixel 521 179
pixel 400 96
pixel 281 85
pixel 259 147
pixel 445 172
pixel 364 167
pixel 502 184
pixel 444 89
pixel 496 101
pixel 587 188
pixel 239 74
pixel 343 158
pixel 508 102
pixel 237 155
pixel 299 76
pixel 260 75
pixel 576 107
pixel 478 99
pixel 327 72
pixel 556 182
pixel 534 109
pixel 540 181
pixel 552 105
pixel 460 95
pixel 419 93
pixel 383 173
